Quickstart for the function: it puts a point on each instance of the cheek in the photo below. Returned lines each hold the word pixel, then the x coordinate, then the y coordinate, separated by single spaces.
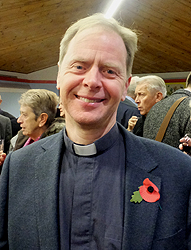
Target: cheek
pixel 148 104
pixel 68 83
pixel 28 125
pixel 115 90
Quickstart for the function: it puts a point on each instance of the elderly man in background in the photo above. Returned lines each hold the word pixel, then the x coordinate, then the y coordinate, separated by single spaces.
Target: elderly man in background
pixel 131 90
pixel 95 185
pixel 179 124
pixel 150 90
pixel 128 107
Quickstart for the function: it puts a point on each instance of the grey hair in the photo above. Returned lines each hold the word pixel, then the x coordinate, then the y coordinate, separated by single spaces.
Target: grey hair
pixel 133 84
pixel 155 83
pixel 41 101
pixel 129 37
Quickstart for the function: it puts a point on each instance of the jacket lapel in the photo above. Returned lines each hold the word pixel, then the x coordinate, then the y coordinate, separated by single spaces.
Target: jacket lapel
pixel 46 192
pixel 139 218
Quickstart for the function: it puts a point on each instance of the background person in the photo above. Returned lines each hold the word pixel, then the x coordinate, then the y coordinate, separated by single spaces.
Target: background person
pixel 185 144
pixel 14 125
pixel 76 191
pixel 38 109
pixel 61 108
pixel 6 134
pixel 179 124
pixel 131 90
pixel 127 108
pixel 150 90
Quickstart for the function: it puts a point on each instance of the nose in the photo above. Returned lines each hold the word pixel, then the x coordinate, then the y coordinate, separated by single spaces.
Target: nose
pixel 19 119
pixel 137 99
pixel 92 78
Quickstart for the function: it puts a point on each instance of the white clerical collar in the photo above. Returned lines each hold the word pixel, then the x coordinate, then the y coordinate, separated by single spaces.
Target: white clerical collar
pixel 85 150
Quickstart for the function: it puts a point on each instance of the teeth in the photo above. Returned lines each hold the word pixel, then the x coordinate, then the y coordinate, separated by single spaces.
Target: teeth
pixel 88 100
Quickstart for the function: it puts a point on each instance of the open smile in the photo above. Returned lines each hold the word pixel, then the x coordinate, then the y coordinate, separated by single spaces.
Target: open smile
pixel 89 100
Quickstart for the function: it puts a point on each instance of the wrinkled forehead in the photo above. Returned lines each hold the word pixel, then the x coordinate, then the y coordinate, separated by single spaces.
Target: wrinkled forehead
pixel 142 86
pixel 25 108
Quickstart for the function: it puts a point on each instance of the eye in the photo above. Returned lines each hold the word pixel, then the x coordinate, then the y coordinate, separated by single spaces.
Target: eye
pixel 79 67
pixel 110 71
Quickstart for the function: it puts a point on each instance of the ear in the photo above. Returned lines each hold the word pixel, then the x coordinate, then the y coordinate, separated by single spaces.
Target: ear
pixel 159 96
pixel 129 80
pixel 42 119
pixel 0 101
pixel 127 83
pixel 58 78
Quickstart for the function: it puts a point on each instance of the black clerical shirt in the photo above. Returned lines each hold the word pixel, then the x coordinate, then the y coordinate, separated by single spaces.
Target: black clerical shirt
pixel 91 193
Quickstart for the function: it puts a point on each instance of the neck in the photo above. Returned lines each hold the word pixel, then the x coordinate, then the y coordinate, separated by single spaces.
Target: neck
pixel 188 88
pixel 86 135
pixel 38 132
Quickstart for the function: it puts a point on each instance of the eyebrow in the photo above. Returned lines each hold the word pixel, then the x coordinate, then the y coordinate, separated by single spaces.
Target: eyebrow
pixel 78 59
pixel 112 65
pixel 106 64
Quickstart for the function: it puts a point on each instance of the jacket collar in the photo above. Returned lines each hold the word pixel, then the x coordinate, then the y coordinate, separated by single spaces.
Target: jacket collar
pixel 183 92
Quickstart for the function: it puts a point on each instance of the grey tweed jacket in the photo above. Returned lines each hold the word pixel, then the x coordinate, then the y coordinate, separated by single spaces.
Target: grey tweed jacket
pixel 179 124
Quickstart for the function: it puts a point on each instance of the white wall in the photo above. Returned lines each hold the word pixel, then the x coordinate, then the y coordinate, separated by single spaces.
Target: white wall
pixel 169 75
pixel 10 96
pixel 45 74
pixel 51 74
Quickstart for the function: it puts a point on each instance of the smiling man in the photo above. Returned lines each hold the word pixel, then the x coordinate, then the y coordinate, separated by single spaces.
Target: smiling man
pixel 79 189
pixel 96 80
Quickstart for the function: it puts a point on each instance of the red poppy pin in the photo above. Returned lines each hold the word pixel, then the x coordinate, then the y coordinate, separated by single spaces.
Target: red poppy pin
pixel 148 192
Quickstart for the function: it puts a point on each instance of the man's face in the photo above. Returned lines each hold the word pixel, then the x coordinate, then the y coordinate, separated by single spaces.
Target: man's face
pixel 62 111
pixel 27 121
pixel 92 77
pixel 145 98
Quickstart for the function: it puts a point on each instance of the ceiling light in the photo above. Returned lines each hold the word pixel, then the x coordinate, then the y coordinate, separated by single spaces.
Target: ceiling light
pixel 113 7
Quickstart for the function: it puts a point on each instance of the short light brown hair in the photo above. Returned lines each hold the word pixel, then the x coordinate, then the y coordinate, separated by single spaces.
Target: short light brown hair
pixel 129 37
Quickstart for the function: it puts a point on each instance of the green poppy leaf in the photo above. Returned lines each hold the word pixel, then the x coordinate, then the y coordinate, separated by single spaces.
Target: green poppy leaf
pixel 136 197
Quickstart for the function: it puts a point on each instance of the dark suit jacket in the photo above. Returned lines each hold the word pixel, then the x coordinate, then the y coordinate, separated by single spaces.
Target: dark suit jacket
pixel 14 124
pixel 138 129
pixel 126 110
pixel 29 196
pixel 5 132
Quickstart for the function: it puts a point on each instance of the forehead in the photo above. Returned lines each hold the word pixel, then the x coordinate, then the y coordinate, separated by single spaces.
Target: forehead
pixel 26 109
pixel 97 39
pixel 142 87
